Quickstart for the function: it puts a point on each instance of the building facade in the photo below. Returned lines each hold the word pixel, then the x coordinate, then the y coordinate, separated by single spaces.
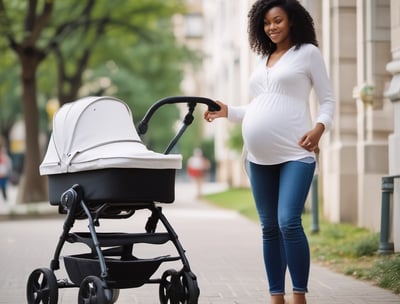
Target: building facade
pixel 393 93
pixel 360 41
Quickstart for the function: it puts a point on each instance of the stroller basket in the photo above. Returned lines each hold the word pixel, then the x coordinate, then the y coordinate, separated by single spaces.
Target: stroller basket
pixel 121 273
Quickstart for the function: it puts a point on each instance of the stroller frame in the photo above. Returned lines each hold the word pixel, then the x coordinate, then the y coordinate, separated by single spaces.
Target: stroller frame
pixel 98 274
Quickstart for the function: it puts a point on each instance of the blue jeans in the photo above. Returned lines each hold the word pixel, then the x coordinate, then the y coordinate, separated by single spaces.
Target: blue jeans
pixel 280 192
pixel 3 186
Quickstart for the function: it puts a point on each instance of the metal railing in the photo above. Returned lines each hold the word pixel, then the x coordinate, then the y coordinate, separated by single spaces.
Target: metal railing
pixel 314 205
pixel 386 247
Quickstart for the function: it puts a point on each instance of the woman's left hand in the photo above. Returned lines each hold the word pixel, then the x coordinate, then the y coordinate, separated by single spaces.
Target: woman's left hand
pixel 310 140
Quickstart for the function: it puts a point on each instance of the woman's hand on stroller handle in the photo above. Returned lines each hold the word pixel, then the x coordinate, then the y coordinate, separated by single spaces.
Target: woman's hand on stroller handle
pixel 222 111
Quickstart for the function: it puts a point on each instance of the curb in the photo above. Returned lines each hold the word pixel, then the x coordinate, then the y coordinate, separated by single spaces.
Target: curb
pixel 28 211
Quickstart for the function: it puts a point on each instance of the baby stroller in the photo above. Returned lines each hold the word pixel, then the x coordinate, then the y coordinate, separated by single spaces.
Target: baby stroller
pixel 98 168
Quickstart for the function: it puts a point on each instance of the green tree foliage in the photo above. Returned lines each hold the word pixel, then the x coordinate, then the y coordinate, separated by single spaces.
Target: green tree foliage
pixel 10 105
pixel 65 49
pixel 235 139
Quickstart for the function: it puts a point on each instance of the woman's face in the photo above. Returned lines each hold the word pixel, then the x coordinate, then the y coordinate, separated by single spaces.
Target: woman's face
pixel 277 25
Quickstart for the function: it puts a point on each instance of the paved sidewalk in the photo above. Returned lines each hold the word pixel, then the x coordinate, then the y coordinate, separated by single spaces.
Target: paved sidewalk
pixel 223 248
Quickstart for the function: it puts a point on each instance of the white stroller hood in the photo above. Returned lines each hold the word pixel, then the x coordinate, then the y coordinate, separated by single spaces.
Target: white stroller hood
pixel 96 133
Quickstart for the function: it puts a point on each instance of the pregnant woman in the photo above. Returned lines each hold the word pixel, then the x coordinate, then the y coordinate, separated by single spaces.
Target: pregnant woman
pixel 280 138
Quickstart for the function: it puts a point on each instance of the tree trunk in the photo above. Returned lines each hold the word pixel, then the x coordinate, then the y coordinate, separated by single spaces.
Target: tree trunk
pixel 32 186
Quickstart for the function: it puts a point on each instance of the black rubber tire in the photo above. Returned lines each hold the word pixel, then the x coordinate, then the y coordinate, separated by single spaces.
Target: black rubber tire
pixel 178 288
pixel 42 287
pixel 168 292
pixel 114 295
pixel 190 290
pixel 94 291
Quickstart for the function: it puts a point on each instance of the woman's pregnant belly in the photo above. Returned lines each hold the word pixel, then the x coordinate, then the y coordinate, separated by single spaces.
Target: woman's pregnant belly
pixel 273 124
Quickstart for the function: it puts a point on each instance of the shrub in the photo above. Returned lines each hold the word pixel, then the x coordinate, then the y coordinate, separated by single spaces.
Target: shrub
pixel 367 246
pixel 387 272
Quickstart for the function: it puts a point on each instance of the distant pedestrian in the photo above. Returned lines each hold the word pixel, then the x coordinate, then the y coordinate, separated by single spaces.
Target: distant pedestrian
pixel 197 166
pixel 5 169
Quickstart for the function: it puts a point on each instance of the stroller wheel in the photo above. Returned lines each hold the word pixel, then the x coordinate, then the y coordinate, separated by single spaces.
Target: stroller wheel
pixel 169 285
pixel 42 287
pixel 114 296
pixel 178 288
pixel 190 290
pixel 94 291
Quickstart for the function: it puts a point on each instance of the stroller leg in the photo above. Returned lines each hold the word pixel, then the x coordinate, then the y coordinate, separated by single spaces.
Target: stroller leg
pixel 103 266
pixel 69 201
pixel 177 286
pixel 174 237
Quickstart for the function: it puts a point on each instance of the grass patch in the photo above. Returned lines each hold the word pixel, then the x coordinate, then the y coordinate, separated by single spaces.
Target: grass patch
pixel 341 247
pixel 239 199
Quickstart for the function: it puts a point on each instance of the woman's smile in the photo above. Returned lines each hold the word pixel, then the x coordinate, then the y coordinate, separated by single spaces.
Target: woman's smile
pixel 273 36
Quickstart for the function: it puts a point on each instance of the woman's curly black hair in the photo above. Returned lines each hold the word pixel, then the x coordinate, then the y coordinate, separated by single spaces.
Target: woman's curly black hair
pixel 301 31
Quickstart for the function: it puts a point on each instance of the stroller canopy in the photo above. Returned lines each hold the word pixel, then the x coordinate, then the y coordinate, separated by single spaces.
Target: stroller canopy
pixel 96 133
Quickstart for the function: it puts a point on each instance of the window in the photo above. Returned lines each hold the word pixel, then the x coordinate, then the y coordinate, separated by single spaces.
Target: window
pixel 194 25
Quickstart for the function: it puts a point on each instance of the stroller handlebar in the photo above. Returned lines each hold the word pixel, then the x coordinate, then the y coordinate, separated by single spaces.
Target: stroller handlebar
pixel 190 100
